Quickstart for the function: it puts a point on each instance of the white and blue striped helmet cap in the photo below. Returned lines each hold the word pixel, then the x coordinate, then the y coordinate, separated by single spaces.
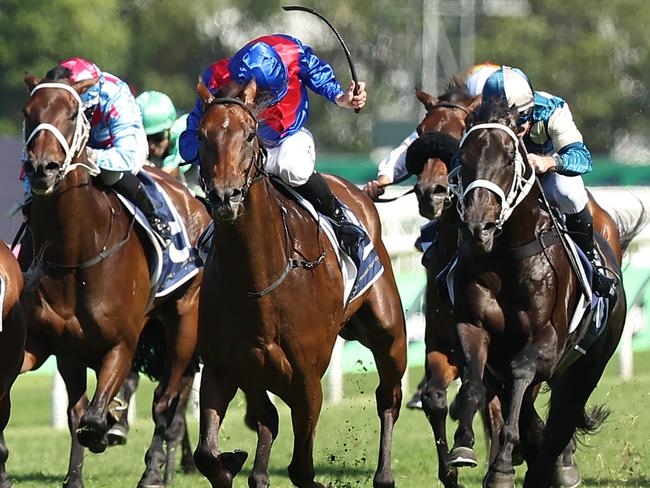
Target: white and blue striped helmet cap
pixel 512 84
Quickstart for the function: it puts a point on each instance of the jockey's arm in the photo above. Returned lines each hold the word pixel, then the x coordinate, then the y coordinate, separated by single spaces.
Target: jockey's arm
pixel 573 157
pixel 188 143
pixel 128 146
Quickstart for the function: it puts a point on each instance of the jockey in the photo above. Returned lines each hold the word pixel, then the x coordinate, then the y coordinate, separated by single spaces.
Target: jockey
pixel 117 142
pixel 283 69
pixel 392 169
pixel 163 130
pixel 556 152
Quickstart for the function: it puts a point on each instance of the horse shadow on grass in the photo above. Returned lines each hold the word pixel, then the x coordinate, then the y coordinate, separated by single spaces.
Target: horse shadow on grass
pixel 641 481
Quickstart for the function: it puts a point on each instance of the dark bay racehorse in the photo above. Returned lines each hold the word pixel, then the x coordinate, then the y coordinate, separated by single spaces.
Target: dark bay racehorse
pixel 12 343
pixel 271 308
pixel 514 301
pixel 92 295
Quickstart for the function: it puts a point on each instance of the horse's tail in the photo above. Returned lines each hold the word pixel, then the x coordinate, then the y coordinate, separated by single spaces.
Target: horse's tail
pixel 151 352
pixel 630 225
pixel 591 421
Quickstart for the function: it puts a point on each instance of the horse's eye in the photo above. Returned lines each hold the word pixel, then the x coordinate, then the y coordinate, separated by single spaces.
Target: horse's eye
pixel 251 136
pixel 74 115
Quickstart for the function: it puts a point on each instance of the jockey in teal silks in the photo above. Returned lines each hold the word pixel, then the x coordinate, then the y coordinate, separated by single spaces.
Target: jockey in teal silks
pixel 557 153
pixel 283 69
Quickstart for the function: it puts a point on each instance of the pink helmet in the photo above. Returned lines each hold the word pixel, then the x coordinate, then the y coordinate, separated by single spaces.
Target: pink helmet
pixel 83 69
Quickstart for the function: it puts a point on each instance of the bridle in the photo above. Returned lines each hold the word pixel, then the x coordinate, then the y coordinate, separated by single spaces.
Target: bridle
pixel 255 171
pixel 519 187
pixel 79 138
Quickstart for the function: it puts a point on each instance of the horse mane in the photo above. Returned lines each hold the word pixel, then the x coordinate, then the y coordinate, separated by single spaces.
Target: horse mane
pixel 456 91
pixel 493 110
pixel 430 145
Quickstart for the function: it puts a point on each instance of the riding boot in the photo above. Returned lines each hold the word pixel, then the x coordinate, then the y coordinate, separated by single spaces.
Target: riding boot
pixel 581 230
pixel 319 194
pixel 129 186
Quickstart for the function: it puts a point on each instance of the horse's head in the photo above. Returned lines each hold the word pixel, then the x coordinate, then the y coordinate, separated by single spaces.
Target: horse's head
pixel 493 176
pixel 56 131
pixel 430 156
pixel 229 149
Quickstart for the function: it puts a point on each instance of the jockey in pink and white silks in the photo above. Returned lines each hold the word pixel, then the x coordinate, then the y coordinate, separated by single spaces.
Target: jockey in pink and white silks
pixel 283 68
pixel 117 142
pixel 557 153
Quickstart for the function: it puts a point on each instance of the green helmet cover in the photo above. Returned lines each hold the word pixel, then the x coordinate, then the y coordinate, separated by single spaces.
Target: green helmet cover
pixel 158 111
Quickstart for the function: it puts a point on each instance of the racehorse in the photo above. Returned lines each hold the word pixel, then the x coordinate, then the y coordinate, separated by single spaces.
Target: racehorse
pixel 515 292
pixel 12 343
pixel 272 329
pixel 91 293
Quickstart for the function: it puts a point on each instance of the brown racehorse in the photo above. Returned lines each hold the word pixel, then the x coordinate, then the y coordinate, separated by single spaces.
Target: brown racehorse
pixel 12 344
pixel 92 296
pixel 272 329
pixel 514 300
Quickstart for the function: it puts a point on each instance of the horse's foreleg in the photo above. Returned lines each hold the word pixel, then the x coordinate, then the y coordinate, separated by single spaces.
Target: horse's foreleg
pixel 177 434
pixel 217 391
pixel 5 407
pixel 439 374
pixel 112 373
pixel 267 430
pixel 75 383
pixel 474 343
pixel 305 410
pixel 534 360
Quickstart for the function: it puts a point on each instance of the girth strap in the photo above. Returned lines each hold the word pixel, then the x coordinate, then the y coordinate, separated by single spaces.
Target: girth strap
pixel 544 241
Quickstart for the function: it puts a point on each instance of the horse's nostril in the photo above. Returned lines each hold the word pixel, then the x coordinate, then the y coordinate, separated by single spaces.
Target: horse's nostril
pixel 28 167
pixel 52 166
pixel 440 190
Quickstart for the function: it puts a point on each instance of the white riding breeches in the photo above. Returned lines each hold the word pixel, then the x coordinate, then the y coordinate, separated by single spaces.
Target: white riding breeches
pixel 294 159
pixel 568 193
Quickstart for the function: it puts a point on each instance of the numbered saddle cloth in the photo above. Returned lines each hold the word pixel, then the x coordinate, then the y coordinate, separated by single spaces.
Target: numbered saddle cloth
pixel 173 265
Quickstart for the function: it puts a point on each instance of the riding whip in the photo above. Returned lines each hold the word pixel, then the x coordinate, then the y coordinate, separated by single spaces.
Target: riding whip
pixel 353 71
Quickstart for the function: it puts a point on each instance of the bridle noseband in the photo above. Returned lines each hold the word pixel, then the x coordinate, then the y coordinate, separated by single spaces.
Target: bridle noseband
pixel 79 138
pixel 519 188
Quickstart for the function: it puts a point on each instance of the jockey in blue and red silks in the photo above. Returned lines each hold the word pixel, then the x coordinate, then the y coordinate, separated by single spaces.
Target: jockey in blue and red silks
pixel 117 143
pixel 283 69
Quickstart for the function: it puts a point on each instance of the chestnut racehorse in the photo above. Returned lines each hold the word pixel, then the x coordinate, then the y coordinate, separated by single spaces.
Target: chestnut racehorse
pixel 92 294
pixel 280 303
pixel 514 302
pixel 12 343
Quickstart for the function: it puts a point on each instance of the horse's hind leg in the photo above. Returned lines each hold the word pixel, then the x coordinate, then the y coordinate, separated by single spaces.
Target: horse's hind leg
pixel 267 430
pixel 217 391
pixel 75 383
pixel 117 433
pixel 177 434
pixel 439 374
pixel 305 410
pixel 5 407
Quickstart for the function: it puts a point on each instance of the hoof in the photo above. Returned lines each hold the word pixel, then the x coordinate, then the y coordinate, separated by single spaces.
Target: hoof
pixel 383 483
pixel 461 457
pixel 415 403
pixel 499 480
pixel 77 483
pixel 232 462
pixel 566 477
pixel 95 441
pixel 116 435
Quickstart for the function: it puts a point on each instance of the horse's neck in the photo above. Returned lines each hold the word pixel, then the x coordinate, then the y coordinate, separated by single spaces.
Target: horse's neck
pixel 525 222
pixel 255 244
pixel 63 223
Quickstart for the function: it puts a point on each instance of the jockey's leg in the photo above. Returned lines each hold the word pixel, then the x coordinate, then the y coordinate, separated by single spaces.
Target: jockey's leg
pixel 570 195
pixel 294 161
pixel 128 185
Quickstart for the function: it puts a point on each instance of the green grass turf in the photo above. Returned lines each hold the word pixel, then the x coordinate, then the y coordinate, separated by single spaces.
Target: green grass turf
pixel 346 442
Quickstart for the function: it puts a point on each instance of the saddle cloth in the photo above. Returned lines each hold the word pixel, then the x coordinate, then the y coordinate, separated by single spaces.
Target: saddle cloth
pixel 174 265
pixel 355 281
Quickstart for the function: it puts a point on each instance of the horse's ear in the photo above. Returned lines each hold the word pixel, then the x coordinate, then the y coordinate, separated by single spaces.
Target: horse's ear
pixel 248 95
pixel 82 86
pixel 425 99
pixel 204 93
pixel 474 103
pixel 31 81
